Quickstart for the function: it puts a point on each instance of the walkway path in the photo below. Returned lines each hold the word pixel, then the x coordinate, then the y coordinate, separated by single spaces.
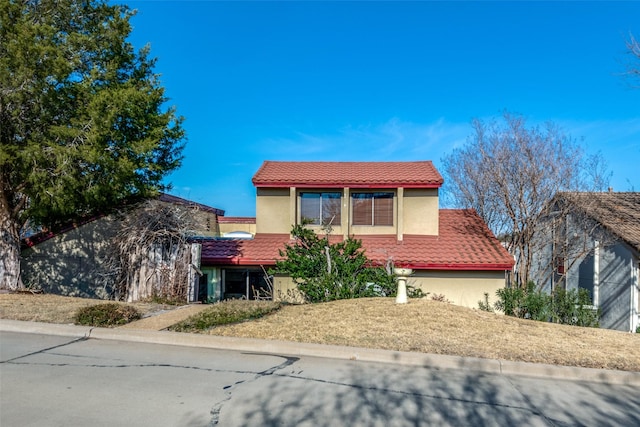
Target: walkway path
pixel 166 318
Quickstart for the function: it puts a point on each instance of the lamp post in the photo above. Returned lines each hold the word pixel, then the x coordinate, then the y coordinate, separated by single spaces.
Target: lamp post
pixel 402 273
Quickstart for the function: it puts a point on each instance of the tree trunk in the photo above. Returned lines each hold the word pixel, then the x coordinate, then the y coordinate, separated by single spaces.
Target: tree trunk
pixel 9 247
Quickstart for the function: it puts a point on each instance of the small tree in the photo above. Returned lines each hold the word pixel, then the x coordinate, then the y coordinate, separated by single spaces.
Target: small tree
pixel 326 272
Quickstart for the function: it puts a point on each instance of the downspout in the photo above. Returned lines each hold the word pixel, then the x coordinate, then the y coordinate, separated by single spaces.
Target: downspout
pixel 633 312
pixel 400 214
pixel 345 214
pixel 596 274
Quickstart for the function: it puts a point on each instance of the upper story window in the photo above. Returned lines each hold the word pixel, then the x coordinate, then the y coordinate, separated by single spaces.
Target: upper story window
pixel 320 208
pixel 372 208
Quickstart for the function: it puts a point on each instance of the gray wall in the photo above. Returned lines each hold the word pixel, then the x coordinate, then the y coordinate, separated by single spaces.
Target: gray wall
pixel 67 264
pixel 617 274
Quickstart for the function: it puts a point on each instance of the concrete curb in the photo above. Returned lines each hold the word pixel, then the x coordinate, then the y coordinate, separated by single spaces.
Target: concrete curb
pixel 433 361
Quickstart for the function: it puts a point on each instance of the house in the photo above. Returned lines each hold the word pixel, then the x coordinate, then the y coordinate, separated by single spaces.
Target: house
pixel 237 226
pixel 594 244
pixel 392 207
pixel 71 261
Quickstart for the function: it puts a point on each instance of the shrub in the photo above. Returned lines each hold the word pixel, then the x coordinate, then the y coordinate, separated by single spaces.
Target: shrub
pixel 327 272
pixel 536 304
pixel 440 298
pixel 413 292
pixel 509 300
pixel 107 314
pixel 485 305
pixel 226 312
pixel 571 307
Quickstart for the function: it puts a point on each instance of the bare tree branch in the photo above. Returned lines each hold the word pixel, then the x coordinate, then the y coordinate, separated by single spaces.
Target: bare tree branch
pixel 147 256
pixel 509 172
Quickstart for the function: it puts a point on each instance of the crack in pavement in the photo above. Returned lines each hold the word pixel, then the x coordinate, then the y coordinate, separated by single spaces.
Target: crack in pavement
pixel 534 409
pixel 289 361
pixel 416 394
pixel 217 407
pixel 45 350
pixel 272 371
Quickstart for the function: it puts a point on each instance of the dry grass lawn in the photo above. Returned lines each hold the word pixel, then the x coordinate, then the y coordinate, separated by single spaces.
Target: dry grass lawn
pixel 55 308
pixel 422 325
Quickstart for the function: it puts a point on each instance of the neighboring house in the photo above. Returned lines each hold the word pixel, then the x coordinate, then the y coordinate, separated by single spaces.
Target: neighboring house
pixel 237 226
pixel 594 244
pixel 71 261
pixel 392 207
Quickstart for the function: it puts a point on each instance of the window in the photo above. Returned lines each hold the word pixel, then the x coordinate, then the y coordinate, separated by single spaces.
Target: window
pixel 372 208
pixel 320 208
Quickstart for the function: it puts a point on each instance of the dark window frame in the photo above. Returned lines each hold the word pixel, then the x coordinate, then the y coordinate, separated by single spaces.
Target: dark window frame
pixel 373 209
pixel 328 206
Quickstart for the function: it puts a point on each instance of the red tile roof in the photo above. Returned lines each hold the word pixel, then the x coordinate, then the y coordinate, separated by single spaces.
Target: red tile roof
pixel 348 174
pixel 464 243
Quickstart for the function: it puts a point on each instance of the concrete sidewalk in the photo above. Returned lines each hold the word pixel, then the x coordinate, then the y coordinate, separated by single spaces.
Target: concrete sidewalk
pixel 159 322
pixel 433 361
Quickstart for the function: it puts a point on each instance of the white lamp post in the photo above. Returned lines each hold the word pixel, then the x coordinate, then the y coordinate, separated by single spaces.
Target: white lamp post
pixel 402 273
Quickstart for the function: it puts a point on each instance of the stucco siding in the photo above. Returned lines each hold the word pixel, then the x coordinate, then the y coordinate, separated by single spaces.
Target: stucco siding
pixel 420 211
pixel 463 288
pixel 285 289
pixel 230 227
pixel 273 211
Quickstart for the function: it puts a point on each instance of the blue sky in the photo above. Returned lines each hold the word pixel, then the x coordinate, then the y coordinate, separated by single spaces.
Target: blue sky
pixel 380 81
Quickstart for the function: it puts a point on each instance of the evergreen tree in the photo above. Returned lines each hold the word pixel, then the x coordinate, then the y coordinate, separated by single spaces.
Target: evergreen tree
pixel 82 122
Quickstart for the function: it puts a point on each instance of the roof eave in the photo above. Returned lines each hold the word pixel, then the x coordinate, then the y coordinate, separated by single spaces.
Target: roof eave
pixel 344 185
pixel 458 267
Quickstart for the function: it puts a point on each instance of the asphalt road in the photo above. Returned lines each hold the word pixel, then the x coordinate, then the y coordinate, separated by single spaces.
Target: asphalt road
pixel 62 381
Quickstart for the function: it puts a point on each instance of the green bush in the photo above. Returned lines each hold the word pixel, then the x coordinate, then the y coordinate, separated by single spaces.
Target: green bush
pixel 510 300
pixel 327 272
pixel 536 304
pixel 571 307
pixel 107 314
pixel 226 312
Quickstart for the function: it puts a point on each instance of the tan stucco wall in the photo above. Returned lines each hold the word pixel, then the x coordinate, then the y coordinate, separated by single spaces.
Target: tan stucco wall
pixel 463 288
pixel 229 227
pixel 67 264
pixel 284 289
pixel 415 212
pixel 273 211
pixel 420 211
